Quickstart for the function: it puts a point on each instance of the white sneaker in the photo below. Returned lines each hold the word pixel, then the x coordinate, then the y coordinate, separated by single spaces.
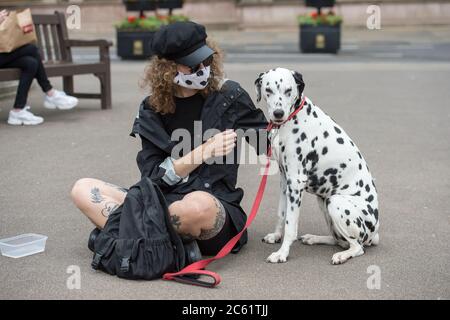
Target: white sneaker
pixel 60 100
pixel 24 117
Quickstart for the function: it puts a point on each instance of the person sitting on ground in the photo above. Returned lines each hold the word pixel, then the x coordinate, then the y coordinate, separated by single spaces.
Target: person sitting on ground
pixel 28 59
pixel 187 88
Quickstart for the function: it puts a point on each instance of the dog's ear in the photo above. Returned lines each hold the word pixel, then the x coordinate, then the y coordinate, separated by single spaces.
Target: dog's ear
pixel 258 83
pixel 299 81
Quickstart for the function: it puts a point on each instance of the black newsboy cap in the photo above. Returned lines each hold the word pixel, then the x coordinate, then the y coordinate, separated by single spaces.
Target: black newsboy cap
pixel 182 42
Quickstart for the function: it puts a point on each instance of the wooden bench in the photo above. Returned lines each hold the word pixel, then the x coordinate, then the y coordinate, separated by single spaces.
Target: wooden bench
pixel 55 48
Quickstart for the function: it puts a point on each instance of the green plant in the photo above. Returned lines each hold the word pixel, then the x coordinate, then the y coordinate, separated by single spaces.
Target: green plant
pixel 144 23
pixel 316 19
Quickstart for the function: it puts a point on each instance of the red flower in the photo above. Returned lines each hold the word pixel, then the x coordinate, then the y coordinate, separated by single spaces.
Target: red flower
pixel 314 14
pixel 131 19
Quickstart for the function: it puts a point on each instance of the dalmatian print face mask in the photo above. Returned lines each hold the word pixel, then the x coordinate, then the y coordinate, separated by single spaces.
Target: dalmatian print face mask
pixel 197 80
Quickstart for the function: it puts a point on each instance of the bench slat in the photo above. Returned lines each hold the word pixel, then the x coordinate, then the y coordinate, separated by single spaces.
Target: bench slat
pixel 48 47
pixel 56 44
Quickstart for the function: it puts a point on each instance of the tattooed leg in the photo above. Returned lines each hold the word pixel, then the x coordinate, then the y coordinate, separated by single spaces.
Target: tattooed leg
pixel 218 223
pixel 96 196
pixel 176 223
pixel 199 215
pixel 108 208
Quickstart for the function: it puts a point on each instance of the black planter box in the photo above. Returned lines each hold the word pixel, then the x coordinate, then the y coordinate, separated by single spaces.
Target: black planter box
pixel 134 44
pixel 150 5
pixel 320 3
pixel 320 39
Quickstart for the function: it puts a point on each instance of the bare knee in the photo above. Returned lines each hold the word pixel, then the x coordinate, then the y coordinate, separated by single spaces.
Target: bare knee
pixel 196 211
pixel 80 191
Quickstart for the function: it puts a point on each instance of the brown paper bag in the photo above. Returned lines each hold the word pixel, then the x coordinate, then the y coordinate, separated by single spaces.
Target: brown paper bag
pixel 17 30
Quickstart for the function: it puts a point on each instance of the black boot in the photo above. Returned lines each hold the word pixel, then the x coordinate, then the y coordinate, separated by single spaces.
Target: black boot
pixel 92 238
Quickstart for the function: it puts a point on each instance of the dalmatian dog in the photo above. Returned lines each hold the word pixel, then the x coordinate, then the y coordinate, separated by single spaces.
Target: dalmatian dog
pixel 315 155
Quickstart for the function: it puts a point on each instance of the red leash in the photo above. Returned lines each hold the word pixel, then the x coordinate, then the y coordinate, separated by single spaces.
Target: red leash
pixel 195 269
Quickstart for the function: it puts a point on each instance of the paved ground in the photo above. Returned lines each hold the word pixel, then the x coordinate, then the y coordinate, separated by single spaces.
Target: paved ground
pixel 396 111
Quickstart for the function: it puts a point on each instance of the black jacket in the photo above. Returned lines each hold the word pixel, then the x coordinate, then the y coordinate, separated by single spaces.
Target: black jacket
pixel 230 108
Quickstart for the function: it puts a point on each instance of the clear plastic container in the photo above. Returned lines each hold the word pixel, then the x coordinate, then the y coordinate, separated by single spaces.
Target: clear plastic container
pixel 23 245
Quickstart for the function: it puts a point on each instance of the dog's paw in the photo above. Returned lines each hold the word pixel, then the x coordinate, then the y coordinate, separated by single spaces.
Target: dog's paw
pixel 277 257
pixel 309 239
pixel 340 258
pixel 272 238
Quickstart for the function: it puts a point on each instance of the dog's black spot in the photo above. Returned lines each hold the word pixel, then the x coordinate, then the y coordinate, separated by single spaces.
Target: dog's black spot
pixel 375 213
pixel 361 183
pixel 344 187
pixel 308 110
pixel 298 150
pixel 370 198
pixel 282 148
pixel 343 165
pixel 347 222
pixel 347 212
pixel 324 150
pixel 329 171
pixel 337 130
pixel 370 226
pixel 360 166
pixel 359 155
pixel 325 134
pixel 313 157
pixel 200 73
pixel 351 142
pixel 313 143
pixel 314 114
pixel 297 141
pixel 295 130
pixel 188 82
pixel 358 222
pixel 268 90
pixel 302 136
pixel 203 83
pixel 357 193
pixel 340 140
pixel 367 188
pixel 287 222
pixel 365 212
pixel 334 181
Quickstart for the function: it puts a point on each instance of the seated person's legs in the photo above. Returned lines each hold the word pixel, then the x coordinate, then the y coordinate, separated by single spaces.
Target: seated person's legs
pixel 199 215
pixel 97 199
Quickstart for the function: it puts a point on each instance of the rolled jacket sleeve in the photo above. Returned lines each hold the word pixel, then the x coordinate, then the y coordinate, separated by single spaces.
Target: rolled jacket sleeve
pixel 170 177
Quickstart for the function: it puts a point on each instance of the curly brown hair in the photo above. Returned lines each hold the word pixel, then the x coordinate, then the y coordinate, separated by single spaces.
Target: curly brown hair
pixel 159 74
